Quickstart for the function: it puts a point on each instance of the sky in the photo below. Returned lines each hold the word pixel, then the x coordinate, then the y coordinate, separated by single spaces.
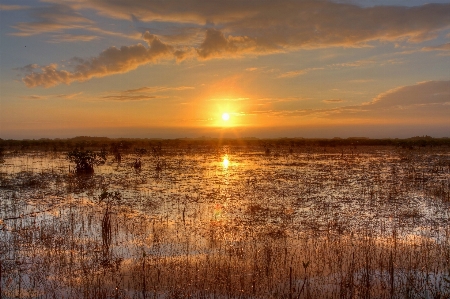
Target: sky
pixel 170 69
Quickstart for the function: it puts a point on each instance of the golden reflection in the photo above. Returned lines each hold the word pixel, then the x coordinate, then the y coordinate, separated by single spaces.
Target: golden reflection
pixel 225 162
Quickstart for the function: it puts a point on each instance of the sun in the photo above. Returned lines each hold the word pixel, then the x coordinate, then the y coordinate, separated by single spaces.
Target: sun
pixel 225 116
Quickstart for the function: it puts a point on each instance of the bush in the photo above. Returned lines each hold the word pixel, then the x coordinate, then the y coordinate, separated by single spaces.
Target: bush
pixel 85 160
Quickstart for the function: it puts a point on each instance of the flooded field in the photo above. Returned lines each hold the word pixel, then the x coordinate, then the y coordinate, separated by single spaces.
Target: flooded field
pixel 227 222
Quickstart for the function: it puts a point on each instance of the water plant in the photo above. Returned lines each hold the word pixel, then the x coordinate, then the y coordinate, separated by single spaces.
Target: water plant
pixel 85 160
pixel 109 200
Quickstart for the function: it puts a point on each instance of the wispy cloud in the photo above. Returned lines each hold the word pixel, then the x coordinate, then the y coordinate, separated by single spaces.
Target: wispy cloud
pixel 361 80
pixel 153 89
pixel 330 101
pixel 357 63
pixel 425 100
pixel 61 18
pixel 349 64
pixel 35 97
pixel 292 74
pixel 55 18
pixel 129 98
pixel 72 38
pixel 51 96
pixel 229 100
pixel 6 7
pixel 426 93
pixel 145 93
pixel 443 47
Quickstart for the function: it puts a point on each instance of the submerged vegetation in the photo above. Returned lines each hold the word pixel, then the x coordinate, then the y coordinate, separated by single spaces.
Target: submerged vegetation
pixel 229 219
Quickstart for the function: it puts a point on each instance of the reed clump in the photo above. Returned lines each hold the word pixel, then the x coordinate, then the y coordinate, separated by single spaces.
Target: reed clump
pixel 86 160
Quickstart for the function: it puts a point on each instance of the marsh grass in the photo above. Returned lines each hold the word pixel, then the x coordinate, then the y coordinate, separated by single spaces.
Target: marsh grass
pixel 288 223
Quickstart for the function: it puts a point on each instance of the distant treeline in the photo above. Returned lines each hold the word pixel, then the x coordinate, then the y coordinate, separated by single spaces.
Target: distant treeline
pixel 127 144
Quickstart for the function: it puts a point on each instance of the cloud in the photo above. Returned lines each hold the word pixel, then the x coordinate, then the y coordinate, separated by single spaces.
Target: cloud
pixel 28 68
pixel 229 100
pixel 280 25
pixel 5 7
pixel 143 93
pixel 178 33
pixel 73 38
pixel 357 63
pixel 62 18
pixel 230 29
pixel 51 96
pixel 217 45
pixel 152 89
pixel 129 98
pixel 444 47
pixel 361 80
pixel 287 23
pixel 55 18
pixel 424 100
pixel 35 97
pixel 428 100
pixel 333 101
pixel 423 93
pixel 260 27
pixel 351 64
pixel 68 96
pixel 111 61
pixel 292 74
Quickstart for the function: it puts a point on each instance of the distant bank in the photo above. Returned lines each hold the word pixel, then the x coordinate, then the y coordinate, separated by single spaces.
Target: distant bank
pixel 93 142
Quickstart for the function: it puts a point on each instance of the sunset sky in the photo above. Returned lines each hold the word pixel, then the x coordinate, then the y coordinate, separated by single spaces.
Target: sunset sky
pixel 171 68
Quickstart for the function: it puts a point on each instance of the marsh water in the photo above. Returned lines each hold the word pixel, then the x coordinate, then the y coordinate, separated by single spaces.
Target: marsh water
pixel 228 222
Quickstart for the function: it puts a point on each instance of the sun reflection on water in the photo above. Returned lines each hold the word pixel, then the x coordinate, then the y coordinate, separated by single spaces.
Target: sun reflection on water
pixel 225 162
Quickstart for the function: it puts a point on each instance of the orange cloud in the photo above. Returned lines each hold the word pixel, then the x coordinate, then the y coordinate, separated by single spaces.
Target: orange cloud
pixel 152 89
pixel 51 96
pixel 333 101
pixel 56 18
pixel 444 47
pixel 425 100
pixel 299 72
pixel 129 98
pixel 6 7
pixel 73 38
pixel 143 93
pixel 423 93
pixel 216 44
pixel 111 61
